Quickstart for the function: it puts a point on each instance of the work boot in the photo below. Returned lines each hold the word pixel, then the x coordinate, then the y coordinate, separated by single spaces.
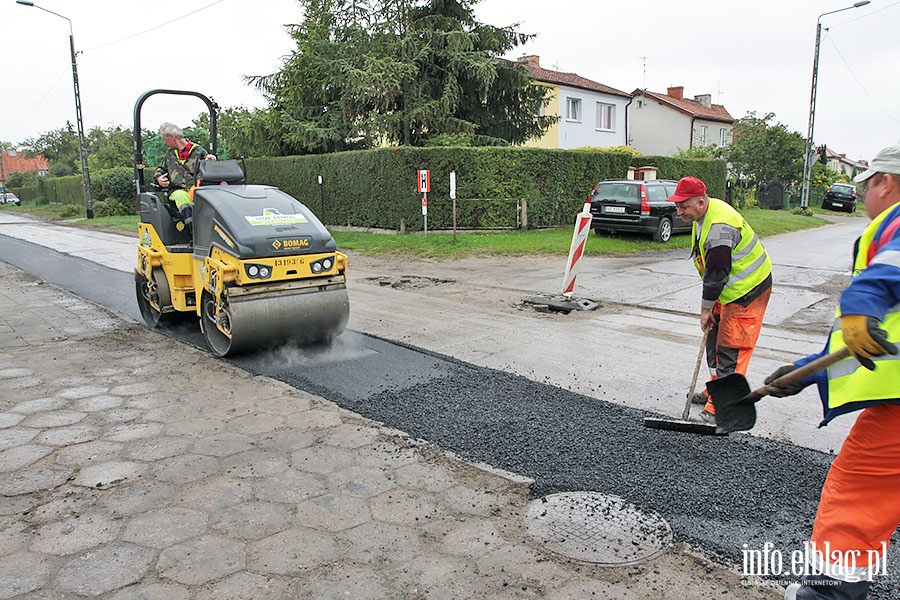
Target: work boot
pixel 187 215
pixel 699 398
pixel 708 417
pixel 825 588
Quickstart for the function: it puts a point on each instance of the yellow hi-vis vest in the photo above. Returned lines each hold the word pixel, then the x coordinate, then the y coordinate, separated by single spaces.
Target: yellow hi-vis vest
pixel 750 263
pixel 849 383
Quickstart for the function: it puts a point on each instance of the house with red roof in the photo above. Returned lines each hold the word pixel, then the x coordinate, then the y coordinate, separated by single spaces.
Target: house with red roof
pixel 13 162
pixel 840 163
pixel 590 113
pixel 662 124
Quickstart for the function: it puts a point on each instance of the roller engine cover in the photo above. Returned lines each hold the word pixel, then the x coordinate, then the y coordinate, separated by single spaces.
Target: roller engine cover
pixel 255 221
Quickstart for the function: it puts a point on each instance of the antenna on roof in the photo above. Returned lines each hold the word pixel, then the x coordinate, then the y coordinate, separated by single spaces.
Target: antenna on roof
pixel 719 92
pixel 644 59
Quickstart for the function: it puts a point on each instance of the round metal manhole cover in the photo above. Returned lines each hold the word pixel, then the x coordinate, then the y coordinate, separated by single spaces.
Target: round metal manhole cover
pixel 596 528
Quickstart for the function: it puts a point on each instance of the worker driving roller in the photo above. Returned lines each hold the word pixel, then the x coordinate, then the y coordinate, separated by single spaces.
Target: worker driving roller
pixel 179 165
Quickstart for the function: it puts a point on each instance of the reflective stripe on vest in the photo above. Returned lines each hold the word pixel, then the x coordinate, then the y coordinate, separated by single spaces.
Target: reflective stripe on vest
pixel 848 381
pixel 750 263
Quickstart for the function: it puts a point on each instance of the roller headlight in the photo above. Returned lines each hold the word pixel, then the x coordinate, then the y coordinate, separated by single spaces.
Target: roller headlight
pixel 317 267
pixel 326 264
pixel 257 271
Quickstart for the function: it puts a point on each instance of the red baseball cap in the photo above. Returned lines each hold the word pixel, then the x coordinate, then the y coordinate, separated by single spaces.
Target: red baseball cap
pixel 687 188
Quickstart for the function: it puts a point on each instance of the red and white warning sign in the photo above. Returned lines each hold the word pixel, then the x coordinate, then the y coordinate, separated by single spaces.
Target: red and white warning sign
pixel 424 181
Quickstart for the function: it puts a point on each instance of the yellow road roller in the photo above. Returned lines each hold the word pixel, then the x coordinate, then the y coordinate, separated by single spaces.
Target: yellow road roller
pixel 258 268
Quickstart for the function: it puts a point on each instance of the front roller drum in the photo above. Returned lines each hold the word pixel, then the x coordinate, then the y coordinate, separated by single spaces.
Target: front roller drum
pixel 239 324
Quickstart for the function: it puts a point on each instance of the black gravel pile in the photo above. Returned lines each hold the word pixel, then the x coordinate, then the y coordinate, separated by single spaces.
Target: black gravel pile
pixel 721 494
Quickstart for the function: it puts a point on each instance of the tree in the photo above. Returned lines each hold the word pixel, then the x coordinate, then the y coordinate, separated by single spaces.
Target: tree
pixel 762 152
pixel 109 148
pixel 247 132
pixel 60 148
pixel 410 72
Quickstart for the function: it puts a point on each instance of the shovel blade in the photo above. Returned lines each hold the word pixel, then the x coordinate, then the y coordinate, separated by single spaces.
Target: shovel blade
pixel 681 425
pixel 734 411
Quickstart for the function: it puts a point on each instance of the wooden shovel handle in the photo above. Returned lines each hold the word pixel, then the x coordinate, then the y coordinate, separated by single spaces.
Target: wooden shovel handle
pixel 821 363
pixel 686 413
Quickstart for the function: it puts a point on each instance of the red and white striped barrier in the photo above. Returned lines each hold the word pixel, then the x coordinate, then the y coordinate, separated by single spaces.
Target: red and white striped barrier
pixel 576 251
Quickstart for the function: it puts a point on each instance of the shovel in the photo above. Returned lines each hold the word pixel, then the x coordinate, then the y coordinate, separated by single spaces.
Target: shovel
pixel 734 401
pixel 685 424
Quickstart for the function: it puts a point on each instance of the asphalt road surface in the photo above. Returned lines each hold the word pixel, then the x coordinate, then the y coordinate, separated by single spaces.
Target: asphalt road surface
pixel 721 494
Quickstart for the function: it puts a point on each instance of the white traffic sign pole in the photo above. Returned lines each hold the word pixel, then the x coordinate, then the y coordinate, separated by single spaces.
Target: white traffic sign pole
pixel 453 198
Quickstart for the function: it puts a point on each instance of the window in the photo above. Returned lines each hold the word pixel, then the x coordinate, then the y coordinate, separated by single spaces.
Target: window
pixel 573 109
pixel 606 116
pixel 723 136
pixel 656 193
pixel 704 135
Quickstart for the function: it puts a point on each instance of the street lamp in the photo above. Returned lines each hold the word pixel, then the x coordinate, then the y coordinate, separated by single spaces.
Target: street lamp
pixel 85 173
pixel 807 160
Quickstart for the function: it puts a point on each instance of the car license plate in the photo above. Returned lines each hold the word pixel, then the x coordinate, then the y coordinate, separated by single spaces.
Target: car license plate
pixel 613 209
pixel 837 204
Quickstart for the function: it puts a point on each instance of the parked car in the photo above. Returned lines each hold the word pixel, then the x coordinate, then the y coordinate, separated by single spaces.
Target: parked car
pixel 636 206
pixel 840 196
pixel 9 198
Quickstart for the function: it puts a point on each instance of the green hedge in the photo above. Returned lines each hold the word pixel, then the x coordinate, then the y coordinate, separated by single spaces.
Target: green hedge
pixel 377 188
pixel 60 190
pixel 116 183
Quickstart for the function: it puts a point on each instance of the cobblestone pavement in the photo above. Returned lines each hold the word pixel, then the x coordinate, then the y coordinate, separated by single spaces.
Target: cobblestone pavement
pixel 133 466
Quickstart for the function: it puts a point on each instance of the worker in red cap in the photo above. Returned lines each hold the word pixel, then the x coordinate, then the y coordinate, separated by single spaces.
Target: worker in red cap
pixel 737 281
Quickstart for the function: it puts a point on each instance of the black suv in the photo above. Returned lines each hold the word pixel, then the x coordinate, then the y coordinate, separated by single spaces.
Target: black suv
pixel 636 206
pixel 840 196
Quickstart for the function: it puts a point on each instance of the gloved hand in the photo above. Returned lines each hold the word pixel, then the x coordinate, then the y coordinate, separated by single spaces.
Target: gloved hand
pixel 788 390
pixel 865 339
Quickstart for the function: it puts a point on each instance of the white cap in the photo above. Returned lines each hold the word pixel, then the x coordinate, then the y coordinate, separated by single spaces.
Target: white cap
pixel 886 161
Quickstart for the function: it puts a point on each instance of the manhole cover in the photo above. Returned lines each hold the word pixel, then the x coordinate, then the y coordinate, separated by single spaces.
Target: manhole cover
pixel 596 528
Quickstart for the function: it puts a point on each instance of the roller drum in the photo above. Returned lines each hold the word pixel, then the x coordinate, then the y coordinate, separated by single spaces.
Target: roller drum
pixel 259 321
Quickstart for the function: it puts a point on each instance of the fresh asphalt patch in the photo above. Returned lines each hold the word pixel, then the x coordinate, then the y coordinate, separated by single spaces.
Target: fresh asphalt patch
pixel 727 495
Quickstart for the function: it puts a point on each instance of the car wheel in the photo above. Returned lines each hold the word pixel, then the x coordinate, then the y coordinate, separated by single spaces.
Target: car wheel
pixel 663 231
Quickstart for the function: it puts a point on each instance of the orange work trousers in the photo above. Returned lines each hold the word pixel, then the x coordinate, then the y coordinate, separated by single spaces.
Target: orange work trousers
pixel 860 504
pixel 733 337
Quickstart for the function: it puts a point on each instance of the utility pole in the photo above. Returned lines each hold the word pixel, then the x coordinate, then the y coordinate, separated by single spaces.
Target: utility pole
pixel 85 172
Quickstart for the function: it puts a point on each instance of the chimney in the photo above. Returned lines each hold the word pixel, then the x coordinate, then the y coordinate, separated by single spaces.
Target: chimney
pixel 704 99
pixel 530 59
pixel 676 92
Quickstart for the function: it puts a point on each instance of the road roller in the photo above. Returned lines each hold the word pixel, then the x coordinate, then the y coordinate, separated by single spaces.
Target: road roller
pixel 257 268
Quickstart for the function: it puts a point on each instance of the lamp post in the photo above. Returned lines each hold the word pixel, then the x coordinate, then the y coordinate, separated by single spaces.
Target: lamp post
pixel 85 173
pixel 808 158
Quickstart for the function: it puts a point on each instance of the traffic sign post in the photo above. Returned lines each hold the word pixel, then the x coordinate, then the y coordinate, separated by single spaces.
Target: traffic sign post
pixel 424 186
pixel 453 198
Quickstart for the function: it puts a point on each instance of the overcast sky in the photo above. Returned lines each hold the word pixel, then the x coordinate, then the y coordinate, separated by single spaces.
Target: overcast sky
pixel 750 55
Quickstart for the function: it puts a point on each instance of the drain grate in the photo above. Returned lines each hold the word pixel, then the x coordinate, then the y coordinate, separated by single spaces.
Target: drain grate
pixel 596 528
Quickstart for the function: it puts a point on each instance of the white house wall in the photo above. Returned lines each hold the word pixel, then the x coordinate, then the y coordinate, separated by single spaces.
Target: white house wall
pixel 714 133
pixel 576 134
pixel 657 130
